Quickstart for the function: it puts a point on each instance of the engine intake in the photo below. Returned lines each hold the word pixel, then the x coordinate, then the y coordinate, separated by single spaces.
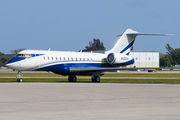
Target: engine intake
pixel 110 58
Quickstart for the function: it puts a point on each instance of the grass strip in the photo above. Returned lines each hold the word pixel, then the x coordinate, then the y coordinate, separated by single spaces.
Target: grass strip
pixel 106 75
pixel 177 81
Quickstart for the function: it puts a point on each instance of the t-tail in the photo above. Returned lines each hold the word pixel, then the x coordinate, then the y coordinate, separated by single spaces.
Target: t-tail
pixel 125 43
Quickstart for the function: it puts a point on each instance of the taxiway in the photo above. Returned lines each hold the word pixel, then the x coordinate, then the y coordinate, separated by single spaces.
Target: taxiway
pixel 87 101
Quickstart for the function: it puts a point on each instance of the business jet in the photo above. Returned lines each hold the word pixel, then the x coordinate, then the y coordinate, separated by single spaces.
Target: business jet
pixel 78 63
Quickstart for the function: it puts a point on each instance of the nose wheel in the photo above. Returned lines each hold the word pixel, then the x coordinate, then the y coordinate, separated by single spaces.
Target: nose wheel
pixel 19 79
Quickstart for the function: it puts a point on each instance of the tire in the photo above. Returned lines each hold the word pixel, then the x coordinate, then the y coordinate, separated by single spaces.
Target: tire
pixel 69 78
pixel 72 78
pixel 97 78
pixel 93 79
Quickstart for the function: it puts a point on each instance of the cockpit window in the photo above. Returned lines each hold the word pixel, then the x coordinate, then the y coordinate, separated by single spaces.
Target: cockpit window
pixel 23 55
pixel 27 55
pixel 19 55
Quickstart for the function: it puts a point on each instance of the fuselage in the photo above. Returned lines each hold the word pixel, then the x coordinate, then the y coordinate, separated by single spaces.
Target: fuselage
pixel 60 62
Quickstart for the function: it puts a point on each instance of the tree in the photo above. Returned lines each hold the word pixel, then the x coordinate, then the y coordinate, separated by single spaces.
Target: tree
pixel 4 60
pixel 95 45
pixel 173 54
pixel 165 61
pixel 1 53
pixel 16 51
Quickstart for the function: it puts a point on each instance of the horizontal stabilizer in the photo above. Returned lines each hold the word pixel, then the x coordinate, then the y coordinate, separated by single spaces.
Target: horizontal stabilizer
pixel 150 34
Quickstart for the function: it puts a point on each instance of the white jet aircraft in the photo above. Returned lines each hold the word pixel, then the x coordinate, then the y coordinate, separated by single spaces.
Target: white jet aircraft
pixel 78 63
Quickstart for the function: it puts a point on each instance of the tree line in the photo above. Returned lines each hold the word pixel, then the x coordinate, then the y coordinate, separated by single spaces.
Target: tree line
pixel 171 58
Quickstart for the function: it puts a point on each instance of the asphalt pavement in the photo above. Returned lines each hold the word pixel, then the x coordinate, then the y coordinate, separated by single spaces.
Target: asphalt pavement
pixel 89 101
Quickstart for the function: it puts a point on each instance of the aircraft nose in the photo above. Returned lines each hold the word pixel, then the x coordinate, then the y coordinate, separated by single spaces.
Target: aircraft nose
pixel 11 64
pixel 7 64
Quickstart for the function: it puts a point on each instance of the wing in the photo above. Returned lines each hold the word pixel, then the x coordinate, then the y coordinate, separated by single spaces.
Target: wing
pixel 103 69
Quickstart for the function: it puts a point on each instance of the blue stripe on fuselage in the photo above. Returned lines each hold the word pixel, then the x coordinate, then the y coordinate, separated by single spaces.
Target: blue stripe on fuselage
pixel 64 69
pixel 15 59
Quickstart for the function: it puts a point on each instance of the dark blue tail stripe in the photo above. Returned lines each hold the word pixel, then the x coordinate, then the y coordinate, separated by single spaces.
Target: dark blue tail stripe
pixel 127 47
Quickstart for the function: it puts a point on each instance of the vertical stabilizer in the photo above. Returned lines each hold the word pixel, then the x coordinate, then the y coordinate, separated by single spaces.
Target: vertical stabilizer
pixel 125 42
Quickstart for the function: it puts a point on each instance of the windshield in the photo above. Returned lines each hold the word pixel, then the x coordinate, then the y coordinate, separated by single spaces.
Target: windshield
pixel 23 55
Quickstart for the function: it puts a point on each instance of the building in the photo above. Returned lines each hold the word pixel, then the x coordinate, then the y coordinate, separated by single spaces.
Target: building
pixel 145 59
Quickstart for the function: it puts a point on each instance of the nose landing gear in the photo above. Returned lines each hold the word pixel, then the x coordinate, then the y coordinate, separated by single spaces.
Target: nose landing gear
pixel 19 79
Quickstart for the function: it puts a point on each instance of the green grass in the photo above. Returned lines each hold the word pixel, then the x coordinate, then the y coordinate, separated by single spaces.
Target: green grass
pixel 30 75
pixel 141 75
pixel 160 77
pixel 39 74
pixel 141 81
pixel 88 80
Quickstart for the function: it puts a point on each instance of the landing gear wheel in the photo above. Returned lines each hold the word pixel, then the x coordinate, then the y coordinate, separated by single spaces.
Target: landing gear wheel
pixel 72 78
pixel 95 79
pixel 19 80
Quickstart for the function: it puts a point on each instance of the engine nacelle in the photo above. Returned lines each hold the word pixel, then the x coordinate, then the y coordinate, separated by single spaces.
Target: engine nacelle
pixel 110 58
pixel 117 59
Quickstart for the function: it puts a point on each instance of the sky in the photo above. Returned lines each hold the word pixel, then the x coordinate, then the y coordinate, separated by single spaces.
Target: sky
pixel 69 25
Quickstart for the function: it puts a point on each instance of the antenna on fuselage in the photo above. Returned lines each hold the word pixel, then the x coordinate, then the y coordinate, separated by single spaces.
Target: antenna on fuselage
pixel 49 49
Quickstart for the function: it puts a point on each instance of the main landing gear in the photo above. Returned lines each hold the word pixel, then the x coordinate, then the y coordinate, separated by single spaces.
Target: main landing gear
pixel 72 78
pixel 19 79
pixel 95 78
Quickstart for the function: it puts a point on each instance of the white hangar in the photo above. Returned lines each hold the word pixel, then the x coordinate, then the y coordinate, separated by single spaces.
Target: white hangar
pixel 145 59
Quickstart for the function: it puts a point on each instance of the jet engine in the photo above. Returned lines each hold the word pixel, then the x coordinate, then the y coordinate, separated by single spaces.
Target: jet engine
pixel 117 59
pixel 111 58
